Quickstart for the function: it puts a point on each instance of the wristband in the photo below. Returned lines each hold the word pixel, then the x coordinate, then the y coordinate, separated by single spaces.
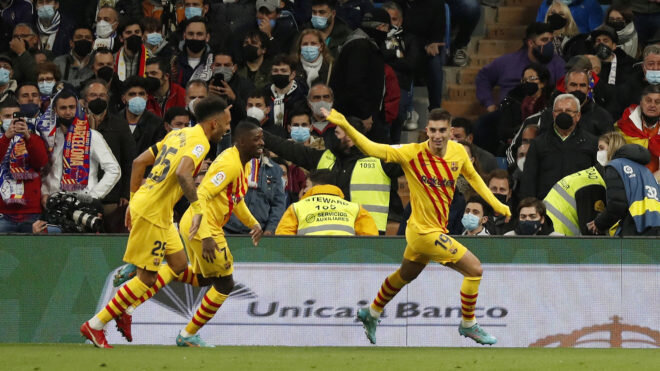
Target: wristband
pixel 196 208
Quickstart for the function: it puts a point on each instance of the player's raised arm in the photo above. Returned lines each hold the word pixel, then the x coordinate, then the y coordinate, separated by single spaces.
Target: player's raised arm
pixel 481 188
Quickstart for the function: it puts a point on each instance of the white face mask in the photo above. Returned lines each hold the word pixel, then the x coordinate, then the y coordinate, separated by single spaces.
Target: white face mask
pixel 256 113
pixel 521 163
pixel 5 124
pixel 103 29
pixel 601 157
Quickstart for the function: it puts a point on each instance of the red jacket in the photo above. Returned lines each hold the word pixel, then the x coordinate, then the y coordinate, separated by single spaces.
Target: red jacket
pixel 176 98
pixel 392 95
pixel 38 158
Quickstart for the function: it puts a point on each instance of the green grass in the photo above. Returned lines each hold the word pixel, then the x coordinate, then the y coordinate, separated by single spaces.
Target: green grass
pixel 85 357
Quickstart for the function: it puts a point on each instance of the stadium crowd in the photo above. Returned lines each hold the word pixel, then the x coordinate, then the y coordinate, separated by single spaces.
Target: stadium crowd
pixel 85 87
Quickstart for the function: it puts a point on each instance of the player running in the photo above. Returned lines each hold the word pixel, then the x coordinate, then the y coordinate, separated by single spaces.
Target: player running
pixel 175 159
pixel 431 169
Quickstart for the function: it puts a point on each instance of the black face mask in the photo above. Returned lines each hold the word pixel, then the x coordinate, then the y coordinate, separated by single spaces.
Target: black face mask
pixel 556 22
pixel 195 46
pixel 650 121
pixel 580 96
pixel 617 25
pixel 97 106
pixel 82 47
pixel 529 88
pixel 250 53
pixel 563 121
pixel 105 73
pixel 500 197
pixel 603 51
pixel 134 43
pixel 152 84
pixel 280 81
pixel 528 227
pixel 377 35
pixel 543 53
pixel 64 122
pixel 29 110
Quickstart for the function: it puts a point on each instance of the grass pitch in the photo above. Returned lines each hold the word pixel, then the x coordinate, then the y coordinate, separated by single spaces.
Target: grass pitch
pixel 35 357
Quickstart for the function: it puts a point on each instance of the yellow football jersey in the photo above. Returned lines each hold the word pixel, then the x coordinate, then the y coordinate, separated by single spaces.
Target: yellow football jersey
pixel 156 198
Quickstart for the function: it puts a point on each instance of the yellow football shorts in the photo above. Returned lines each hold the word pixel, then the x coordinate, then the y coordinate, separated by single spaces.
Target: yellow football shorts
pixel 435 246
pixel 148 244
pixel 222 266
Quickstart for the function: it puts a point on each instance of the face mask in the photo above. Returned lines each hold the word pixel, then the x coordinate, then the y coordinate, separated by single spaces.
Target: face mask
pixel 470 222
pixel 580 96
pixel 46 87
pixel 5 124
pixel 136 105
pixel 134 43
pixel 309 53
pixel 105 73
pixel 528 227
pixel 250 53
pixel 601 157
pixel 653 77
pixel 280 81
pixel 195 46
pixel 192 11
pixel 82 48
pixel 227 72
pixel 256 113
pixel 320 23
pixel 65 122
pixel 299 134
pixel 316 107
pixel 603 51
pixel 500 197
pixel 521 163
pixel 191 106
pixel 270 21
pixel 4 76
pixel 29 109
pixel 154 38
pixel 46 12
pixel 563 121
pixel 103 29
pixel 151 84
pixel 566 2
pixel 617 25
pixel 544 53
pixel 529 88
pixel 556 22
pixel 97 106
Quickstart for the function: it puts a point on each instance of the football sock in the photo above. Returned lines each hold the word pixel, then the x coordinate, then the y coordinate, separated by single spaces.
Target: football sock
pixel 126 295
pixel 165 276
pixel 188 277
pixel 390 287
pixel 207 308
pixel 469 292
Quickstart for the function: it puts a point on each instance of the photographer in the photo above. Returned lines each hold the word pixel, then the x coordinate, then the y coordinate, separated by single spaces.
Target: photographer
pixel 22 156
pixel 230 86
pixel 70 213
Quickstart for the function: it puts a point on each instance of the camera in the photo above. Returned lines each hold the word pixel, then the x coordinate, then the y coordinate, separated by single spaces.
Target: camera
pixel 74 213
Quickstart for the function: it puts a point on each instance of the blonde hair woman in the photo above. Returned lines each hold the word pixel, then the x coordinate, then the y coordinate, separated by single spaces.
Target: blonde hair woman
pixel 315 59
pixel 560 19
pixel 609 143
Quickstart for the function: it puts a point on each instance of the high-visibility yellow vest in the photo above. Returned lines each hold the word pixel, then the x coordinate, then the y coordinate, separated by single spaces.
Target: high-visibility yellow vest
pixel 326 215
pixel 560 201
pixel 370 186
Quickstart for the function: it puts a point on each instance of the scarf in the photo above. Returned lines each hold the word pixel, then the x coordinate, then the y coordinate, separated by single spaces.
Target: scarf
pixel 76 156
pixel 51 31
pixel 46 127
pixel 278 103
pixel 628 128
pixel 15 168
pixel 611 79
pixel 312 69
pixel 120 62
pixel 627 33
pixel 253 178
pixel 203 71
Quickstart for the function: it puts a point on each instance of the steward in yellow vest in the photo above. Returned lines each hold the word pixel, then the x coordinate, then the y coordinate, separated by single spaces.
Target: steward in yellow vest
pixel 322 211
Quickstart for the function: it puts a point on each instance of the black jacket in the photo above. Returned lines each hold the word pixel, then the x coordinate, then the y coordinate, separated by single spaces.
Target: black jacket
pixel 549 159
pixel 617 208
pixel 116 133
pixel 147 130
pixel 629 92
pixel 403 66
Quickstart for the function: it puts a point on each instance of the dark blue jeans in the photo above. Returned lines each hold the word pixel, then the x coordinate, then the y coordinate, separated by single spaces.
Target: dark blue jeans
pixel 646 25
pixel 435 77
pixel 464 15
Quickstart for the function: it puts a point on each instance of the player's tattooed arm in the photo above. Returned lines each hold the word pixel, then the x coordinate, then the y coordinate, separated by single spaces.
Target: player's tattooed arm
pixel 184 174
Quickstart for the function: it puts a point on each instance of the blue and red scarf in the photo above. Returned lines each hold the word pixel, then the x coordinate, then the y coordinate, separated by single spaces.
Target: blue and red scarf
pixel 14 170
pixel 76 156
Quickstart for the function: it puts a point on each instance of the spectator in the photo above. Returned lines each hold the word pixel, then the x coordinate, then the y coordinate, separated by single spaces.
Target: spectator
pixel 168 94
pixel 532 220
pixel 524 136
pixel 323 211
pixel 464 15
pixel 462 185
pixel 285 92
pixel 499 182
pixel 55 28
pixel 13 13
pixel 620 18
pixel 143 124
pixel 107 21
pixel 461 129
pixel 557 152
pixel 278 24
pixel 76 66
pixel 196 90
pixel 265 197
pixel 22 48
pixel 299 129
pixel 629 93
pixel 153 39
pixel 195 61
pixel 238 15
pixel 258 109
pixel 321 96
pixel 116 132
pixel 477 214
pixel 518 167
pixel 176 118
pixel 594 119
pixel 103 67
pixel 231 87
pixel 646 18
pixel 577 198
pixel 132 57
pixel 353 11
pixel 7 83
pixel 29 99
pixel 616 65
pixel 256 66
pixel 78 176
pixel 562 24
pixel 22 156
pixel 48 81
pixel 587 13
pixel 632 195
pixel 639 125
pixel 314 57
pixel 333 29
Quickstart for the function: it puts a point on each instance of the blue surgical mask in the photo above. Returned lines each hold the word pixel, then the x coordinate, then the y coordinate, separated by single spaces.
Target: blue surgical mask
pixel 154 38
pixel 137 105
pixel 309 52
pixel 271 21
pixel 653 77
pixel 5 124
pixel 46 12
pixel 192 11
pixel 4 76
pixel 470 221
pixel 46 87
pixel 320 23
pixel 566 2
pixel 299 134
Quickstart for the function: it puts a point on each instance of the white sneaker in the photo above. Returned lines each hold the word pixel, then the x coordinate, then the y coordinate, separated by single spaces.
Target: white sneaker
pixel 411 122
pixel 460 57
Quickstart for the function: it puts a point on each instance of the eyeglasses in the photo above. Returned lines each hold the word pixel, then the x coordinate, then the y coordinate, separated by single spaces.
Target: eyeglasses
pixel 530 79
pixel 570 112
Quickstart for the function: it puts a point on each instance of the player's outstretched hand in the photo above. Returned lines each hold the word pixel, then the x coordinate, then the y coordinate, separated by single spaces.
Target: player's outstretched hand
pixel 209 247
pixel 194 227
pixel 127 218
pixel 256 234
